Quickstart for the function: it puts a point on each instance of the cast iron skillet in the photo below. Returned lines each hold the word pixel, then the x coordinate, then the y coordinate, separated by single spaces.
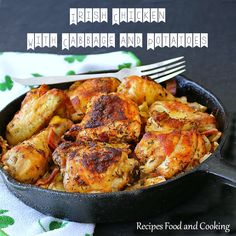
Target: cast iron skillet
pixel 127 205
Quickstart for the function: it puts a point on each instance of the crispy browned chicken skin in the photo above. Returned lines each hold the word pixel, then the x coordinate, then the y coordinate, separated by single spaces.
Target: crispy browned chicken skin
pixel 99 154
pixel 167 154
pixel 29 160
pixel 81 93
pixel 94 166
pixel 109 118
pixel 143 89
pixel 167 116
pixel 37 109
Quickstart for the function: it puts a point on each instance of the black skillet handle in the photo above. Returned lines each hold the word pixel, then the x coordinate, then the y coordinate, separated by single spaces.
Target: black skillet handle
pixel 219 167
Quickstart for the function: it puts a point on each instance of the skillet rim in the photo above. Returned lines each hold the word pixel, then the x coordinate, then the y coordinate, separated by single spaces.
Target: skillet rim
pixel 180 78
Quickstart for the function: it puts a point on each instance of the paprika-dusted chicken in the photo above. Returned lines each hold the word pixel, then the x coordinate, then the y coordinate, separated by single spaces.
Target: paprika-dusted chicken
pixel 168 154
pixel 167 116
pixel 131 135
pixel 94 166
pixel 29 160
pixel 109 118
pixel 81 93
pixel 37 109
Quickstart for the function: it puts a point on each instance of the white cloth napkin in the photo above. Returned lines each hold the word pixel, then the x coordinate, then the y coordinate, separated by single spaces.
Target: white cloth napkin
pixel 24 65
pixel 16 218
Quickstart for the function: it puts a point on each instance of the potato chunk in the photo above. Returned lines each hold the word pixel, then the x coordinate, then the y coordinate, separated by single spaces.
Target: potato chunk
pixel 143 89
pixel 29 160
pixel 37 109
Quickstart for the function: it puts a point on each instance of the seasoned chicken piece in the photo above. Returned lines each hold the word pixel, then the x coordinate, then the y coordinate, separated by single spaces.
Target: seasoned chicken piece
pixel 168 154
pixel 94 166
pixel 143 89
pixel 153 149
pixel 81 93
pixel 162 122
pixel 60 154
pixel 203 149
pixel 109 118
pixel 188 151
pixel 171 115
pixel 37 109
pixel 28 161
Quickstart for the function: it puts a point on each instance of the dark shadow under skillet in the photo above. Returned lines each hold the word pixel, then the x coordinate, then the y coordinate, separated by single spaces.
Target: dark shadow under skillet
pixel 127 205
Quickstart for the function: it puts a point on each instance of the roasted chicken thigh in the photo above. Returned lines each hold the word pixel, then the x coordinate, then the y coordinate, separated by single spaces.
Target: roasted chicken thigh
pixel 94 166
pixel 109 118
pixel 103 135
pixel 81 93
pixel 167 154
pixel 167 116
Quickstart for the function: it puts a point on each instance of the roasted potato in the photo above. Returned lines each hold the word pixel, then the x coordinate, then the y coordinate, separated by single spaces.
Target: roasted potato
pixel 29 160
pixel 143 89
pixel 36 111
